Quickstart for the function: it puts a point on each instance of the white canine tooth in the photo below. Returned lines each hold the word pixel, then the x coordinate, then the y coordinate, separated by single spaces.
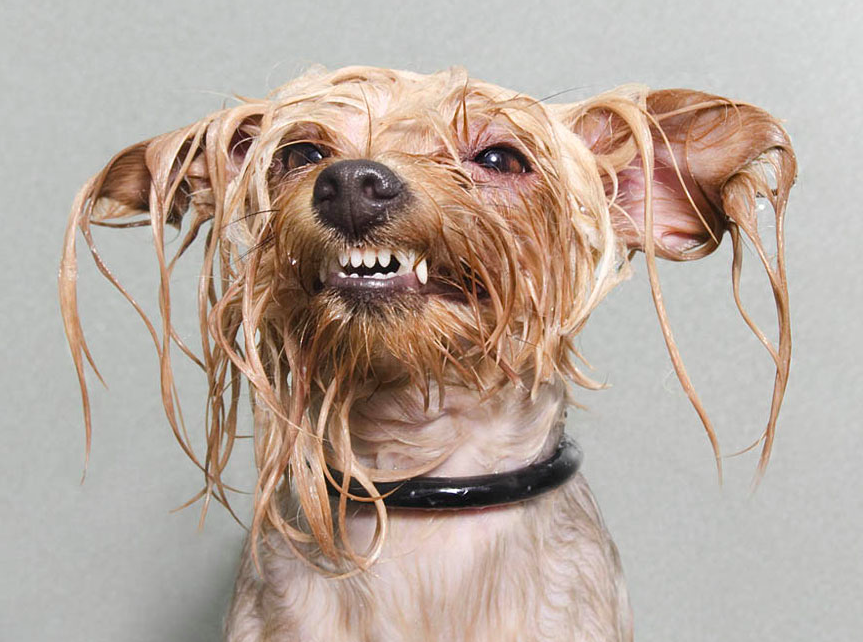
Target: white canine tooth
pixel 422 271
pixel 343 258
pixel 369 257
pixel 356 257
pixel 384 257
pixel 354 275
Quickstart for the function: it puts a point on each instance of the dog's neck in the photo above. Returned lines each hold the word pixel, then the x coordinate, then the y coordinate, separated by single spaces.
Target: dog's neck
pixel 466 435
pixel 548 563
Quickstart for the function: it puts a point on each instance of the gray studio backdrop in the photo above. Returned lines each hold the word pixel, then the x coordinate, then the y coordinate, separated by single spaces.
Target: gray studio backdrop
pixel 107 561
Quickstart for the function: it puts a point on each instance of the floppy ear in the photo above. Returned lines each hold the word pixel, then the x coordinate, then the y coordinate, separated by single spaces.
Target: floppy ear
pixel 163 174
pixel 673 154
pixel 680 168
pixel 127 179
pixel 156 183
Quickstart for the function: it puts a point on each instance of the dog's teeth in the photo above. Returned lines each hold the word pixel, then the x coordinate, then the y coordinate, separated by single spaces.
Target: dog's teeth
pixel 404 265
pixel 370 258
pixel 422 271
pixel 407 260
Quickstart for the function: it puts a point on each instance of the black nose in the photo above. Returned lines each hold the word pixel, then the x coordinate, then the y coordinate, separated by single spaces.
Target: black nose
pixel 355 196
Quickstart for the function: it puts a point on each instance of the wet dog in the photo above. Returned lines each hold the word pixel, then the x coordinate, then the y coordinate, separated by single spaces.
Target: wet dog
pixel 397 265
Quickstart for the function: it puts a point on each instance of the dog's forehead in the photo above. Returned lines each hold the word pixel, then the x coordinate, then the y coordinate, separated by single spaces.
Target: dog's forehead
pixel 390 103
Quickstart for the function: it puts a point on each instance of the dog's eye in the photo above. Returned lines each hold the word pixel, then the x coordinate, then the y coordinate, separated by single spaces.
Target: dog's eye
pixel 502 159
pixel 301 154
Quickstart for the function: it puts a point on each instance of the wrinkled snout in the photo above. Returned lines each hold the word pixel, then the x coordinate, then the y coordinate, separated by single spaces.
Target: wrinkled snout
pixel 356 196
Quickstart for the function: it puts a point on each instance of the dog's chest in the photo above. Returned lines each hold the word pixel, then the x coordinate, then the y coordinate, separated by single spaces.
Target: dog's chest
pixel 541 571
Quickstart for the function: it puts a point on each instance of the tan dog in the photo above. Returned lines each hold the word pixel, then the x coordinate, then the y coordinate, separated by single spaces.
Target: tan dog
pixel 398 265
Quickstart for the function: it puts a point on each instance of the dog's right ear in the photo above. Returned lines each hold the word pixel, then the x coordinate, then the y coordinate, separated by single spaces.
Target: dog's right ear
pixel 156 183
pixel 166 172
pixel 127 179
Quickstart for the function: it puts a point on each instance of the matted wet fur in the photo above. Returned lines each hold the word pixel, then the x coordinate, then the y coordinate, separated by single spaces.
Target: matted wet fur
pixel 511 220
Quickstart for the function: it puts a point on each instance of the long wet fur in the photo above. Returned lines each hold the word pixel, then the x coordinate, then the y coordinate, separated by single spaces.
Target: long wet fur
pixel 524 260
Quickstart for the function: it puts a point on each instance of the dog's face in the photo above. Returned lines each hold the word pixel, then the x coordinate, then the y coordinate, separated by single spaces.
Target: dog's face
pixel 377 228
pixel 421 226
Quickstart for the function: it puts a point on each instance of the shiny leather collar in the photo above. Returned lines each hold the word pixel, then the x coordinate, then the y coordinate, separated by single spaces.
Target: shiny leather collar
pixel 478 491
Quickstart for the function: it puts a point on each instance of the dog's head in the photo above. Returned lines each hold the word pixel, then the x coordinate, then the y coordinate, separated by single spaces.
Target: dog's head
pixel 371 228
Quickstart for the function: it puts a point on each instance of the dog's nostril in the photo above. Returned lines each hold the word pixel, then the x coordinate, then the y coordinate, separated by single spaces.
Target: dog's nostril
pixel 381 185
pixel 354 196
pixel 324 190
pixel 369 188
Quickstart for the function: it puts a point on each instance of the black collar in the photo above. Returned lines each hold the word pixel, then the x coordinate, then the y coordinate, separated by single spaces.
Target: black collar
pixel 477 491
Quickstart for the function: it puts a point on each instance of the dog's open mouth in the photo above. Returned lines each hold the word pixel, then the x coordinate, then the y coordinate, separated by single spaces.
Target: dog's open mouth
pixel 386 271
pixel 378 269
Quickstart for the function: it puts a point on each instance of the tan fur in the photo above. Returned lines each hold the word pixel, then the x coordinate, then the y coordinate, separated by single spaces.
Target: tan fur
pixel 463 383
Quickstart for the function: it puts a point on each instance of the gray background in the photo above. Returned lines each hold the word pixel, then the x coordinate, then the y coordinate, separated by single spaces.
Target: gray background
pixel 107 561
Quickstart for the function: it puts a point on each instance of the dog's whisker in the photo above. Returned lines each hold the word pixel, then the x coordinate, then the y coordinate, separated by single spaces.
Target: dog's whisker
pixel 247 216
pixel 562 92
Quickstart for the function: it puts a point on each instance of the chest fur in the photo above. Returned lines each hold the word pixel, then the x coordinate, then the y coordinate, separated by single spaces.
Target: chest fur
pixel 543 570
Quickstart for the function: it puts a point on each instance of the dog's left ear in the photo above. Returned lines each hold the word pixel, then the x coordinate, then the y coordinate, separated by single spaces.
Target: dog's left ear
pixel 693 145
pixel 680 168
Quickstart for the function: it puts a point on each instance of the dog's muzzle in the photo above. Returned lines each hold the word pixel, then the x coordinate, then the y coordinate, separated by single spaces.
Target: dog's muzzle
pixel 355 196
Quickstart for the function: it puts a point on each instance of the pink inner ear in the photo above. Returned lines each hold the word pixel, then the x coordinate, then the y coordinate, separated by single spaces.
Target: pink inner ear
pixel 240 143
pixel 677 227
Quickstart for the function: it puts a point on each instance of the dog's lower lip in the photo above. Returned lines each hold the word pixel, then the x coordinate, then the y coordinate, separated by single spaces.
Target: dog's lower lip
pixel 401 283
